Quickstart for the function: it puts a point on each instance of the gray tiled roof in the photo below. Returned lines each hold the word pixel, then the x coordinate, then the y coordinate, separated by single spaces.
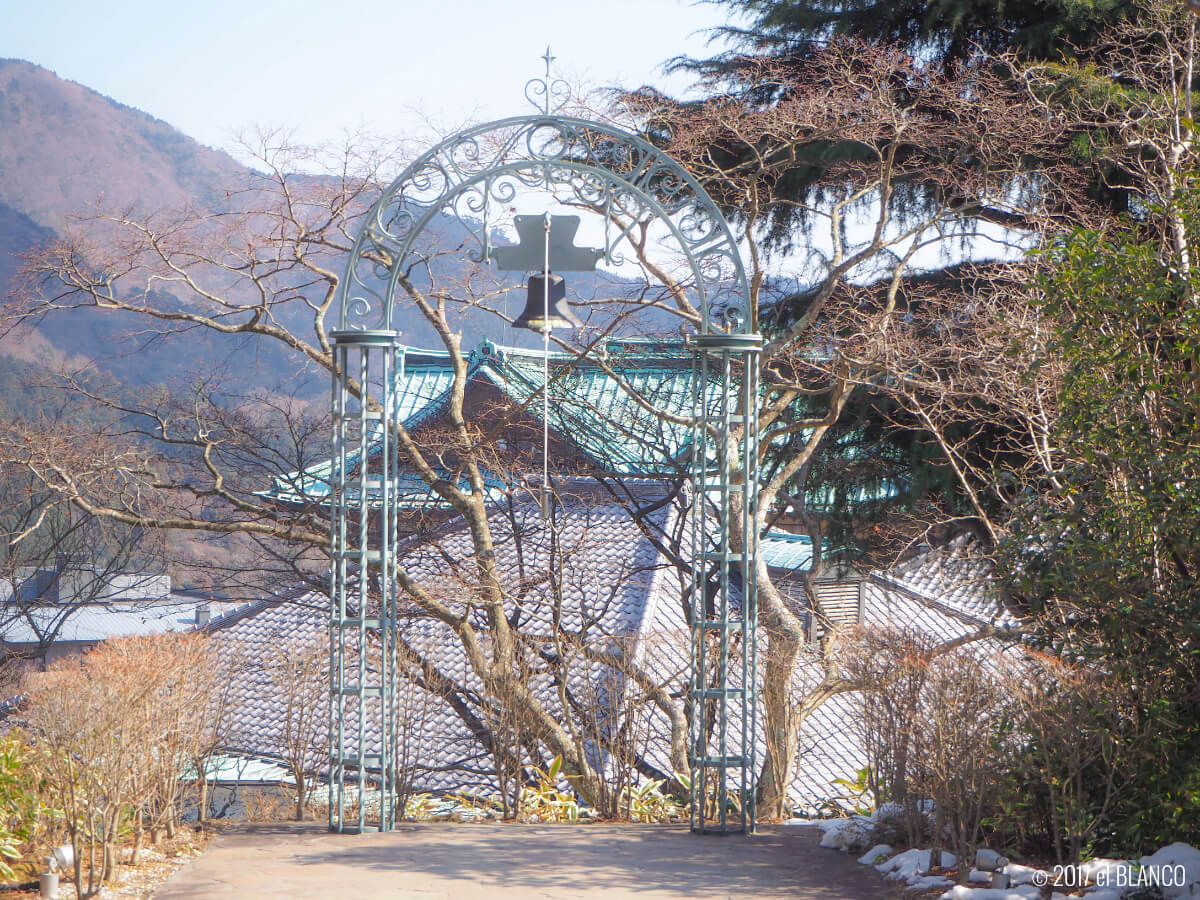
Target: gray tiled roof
pixel 828 751
pixel 245 642
pixel 611 576
pixel 957 578
pixel 944 592
pixel 615 585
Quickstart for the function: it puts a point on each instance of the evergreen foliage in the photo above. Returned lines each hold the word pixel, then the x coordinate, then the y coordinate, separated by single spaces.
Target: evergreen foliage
pixel 945 29
pixel 1107 556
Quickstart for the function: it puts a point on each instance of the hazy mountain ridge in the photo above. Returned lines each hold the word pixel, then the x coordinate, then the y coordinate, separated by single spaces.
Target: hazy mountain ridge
pixel 18 233
pixel 64 149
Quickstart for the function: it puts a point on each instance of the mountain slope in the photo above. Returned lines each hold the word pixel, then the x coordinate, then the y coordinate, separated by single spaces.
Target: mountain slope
pixel 65 151
pixel 64 147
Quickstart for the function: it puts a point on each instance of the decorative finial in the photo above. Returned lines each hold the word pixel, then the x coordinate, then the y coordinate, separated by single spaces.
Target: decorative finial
pixel 549 94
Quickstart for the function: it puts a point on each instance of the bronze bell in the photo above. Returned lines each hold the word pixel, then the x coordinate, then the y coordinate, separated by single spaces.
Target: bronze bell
pixel 546 309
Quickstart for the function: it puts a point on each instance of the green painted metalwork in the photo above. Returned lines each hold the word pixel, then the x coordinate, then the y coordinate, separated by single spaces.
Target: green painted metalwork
pixel 724 674
pixel 559 243
pixel 475 176
pixel 362 676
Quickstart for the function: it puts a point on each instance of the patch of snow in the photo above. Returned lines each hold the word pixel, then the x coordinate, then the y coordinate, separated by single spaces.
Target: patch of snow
pixel 1107 871
pixel 876 855
pixel 962 892
pixel 929 882
pixel 893 810
pixel 842 834
pixel 1170 862
pixel 1019 874
pixel 1175 869
pixel 911 865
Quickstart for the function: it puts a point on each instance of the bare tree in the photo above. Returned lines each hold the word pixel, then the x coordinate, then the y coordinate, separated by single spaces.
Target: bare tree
pixel 973 364
pixel 188 704
pixel 964 716
pixel 56 561
pixel 273 254
pixel 1138 111
pixel 264 266
pixel 929 159
pixel 298 668
pixel 414 740
pixel 889 668
pixel 214 683
pixel 511 739
pixel 114 734
pixel 89 756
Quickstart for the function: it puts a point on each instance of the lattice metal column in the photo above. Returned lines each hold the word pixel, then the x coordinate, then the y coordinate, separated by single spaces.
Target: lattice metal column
pixel 362 688
pixel 724 586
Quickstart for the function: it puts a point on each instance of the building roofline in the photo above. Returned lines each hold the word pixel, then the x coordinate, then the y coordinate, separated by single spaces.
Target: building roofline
pixel 937 605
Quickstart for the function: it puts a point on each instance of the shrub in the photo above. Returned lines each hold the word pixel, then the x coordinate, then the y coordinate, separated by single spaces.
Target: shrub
pixel 24 814
pixel 114 734
pixel 1069 763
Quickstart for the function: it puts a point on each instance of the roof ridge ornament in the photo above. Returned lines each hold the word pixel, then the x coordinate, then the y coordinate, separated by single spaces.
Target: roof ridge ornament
pixel 548 94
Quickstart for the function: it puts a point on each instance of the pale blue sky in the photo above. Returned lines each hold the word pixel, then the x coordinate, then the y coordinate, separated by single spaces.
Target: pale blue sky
pixel 215 67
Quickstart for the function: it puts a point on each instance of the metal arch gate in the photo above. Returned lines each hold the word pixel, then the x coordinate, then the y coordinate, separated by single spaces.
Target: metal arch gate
pixel 607 166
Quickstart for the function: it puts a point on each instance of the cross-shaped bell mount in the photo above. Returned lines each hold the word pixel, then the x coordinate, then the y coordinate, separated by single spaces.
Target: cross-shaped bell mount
pixel 546 244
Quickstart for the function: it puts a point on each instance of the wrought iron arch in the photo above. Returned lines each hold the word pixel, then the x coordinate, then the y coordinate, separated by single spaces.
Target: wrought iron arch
pixel 487 165
pixel 620 175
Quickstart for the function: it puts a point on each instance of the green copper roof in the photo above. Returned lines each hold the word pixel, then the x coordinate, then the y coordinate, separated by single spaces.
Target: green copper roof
pixel 591 406
pixel 594 406
pixel 784 550
pixel 588 407
pixel 423 382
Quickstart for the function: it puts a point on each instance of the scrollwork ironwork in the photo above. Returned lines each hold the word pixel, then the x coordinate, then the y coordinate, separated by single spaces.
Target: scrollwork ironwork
pixel 642 195
pixel 547 94
pixel 587 164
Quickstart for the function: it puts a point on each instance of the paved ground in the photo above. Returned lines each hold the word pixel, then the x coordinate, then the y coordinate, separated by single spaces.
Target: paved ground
pixel 513 862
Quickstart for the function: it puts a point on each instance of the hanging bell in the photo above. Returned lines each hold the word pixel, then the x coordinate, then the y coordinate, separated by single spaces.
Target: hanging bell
pixel 547 308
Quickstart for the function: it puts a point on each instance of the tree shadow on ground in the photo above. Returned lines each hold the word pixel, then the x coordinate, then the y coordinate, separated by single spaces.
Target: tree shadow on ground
pixel 782 861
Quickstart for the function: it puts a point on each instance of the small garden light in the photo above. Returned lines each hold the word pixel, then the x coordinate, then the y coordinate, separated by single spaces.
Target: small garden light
pixel 62 858
pixel 992 862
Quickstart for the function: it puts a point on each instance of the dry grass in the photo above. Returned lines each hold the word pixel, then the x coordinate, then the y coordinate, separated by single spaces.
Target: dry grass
pixel 158 863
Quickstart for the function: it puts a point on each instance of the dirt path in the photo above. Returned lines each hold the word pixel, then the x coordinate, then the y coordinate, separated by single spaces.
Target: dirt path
pixel 513 862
